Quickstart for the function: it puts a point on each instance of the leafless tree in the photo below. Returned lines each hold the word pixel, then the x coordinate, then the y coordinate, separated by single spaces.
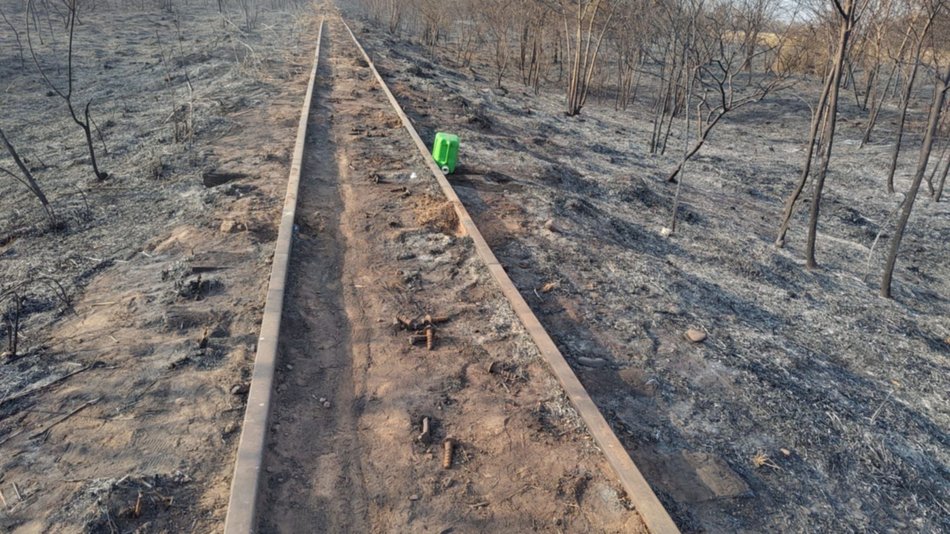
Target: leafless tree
pixel 251 12
pixel 878 92
pixel 16 36
pixel 534 19
pixel 434 20
pixel 84 120
pixel 845 13
pixel 915 61
pixel 497 18
pixel 671 53
pixel 395 15
pixel 753 17
pixel 941 86
pixel 717 66
pixel 939 188
pixel 583 46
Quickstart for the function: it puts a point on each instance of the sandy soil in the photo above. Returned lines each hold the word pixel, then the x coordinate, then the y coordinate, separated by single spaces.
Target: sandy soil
pixel 123 394
pixel 839 394
pixel 376 242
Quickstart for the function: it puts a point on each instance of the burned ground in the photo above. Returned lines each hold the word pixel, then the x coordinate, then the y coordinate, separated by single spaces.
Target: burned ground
pixel 141 309
pixel 814 404
pixel 122 409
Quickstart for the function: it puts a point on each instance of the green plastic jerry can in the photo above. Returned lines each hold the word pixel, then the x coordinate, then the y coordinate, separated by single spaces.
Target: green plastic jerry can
pixel 445 151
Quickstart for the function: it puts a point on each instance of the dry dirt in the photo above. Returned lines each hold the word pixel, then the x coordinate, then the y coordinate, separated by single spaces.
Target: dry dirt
pixel 123 394
pixel 122 409
pixel 813 405
pixel 376 242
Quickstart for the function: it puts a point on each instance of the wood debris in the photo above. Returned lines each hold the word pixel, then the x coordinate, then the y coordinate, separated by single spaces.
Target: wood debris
pixel 58 421
pixel 137 509
pixel 426 436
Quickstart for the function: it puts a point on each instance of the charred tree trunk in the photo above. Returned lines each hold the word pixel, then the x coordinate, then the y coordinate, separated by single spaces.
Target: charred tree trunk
pixel 905 102
pixel 881 94
pixel 28 180
pixel 816 124
pixel 943 181
pixel 901 123
pixel 86 122
pixel 831 119
pixel 924 158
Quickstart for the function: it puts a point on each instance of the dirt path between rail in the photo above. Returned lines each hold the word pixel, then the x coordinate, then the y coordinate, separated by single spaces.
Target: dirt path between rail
pixel 376 241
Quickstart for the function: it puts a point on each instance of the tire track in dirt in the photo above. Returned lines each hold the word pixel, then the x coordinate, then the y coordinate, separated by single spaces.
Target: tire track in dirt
pixel 373 242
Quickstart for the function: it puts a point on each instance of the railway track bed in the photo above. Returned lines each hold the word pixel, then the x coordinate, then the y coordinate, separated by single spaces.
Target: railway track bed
pixel 394 339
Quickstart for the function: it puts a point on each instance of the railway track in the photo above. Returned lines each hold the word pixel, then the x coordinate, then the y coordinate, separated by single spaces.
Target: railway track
pixel 373 235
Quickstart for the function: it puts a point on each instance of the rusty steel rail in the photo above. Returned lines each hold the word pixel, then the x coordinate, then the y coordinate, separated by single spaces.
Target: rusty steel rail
pixel 654 515
pixel 245 484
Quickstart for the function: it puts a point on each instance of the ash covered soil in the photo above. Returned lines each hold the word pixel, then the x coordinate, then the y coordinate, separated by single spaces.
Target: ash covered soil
pixel 140 311
pixel 813 405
